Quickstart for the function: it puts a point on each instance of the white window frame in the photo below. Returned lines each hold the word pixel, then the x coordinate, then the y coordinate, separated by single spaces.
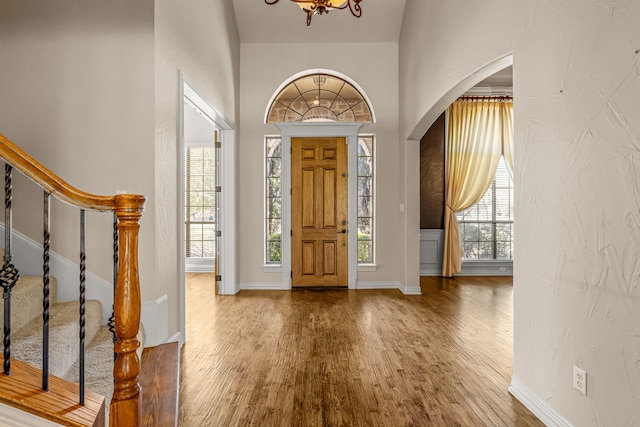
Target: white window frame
pixel 494 222
pixel 371 265
pixel 335 129
pixel 361 266
pixel 268 265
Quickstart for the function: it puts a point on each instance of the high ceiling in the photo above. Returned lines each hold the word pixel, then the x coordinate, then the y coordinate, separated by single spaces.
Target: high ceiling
pixel 285 22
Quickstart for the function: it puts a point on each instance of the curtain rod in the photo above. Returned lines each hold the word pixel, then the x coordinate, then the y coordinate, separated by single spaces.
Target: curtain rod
pixel 487 97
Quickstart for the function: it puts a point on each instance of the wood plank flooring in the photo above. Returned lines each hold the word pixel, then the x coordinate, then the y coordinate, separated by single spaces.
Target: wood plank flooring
pixel 350 358
pixel 159 380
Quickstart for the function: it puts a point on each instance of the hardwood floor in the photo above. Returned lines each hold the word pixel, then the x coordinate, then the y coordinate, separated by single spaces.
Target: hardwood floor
pixel 350 358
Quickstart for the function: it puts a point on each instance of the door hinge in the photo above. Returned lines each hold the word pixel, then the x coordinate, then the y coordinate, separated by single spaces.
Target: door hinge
pixel 218 278
pixel 218 233
pixel 218 144
pixel 218 189
pixel 291 233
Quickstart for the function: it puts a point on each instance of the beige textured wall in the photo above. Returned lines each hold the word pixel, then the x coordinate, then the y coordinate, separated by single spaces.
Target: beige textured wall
pixel 91 89
pixel 576 86
pixel 76 93
pixel 263 68
pixel 577 290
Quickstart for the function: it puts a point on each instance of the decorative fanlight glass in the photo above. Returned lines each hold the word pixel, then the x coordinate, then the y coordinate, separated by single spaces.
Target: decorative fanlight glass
pixel 319 98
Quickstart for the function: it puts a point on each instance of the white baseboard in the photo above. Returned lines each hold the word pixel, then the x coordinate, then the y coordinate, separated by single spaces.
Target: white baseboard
pixel 154 318
pixel 537 406
pixel 411 290
pixel 179 337
pixel 407 290
pixel 277 286
pixel 199 265
pixel 258 286
pixel 378 285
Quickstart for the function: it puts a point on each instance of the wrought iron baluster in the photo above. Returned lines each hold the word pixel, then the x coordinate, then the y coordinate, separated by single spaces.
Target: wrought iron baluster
pixel 112 321
pixel 9 274
pixel 45 291
pixel 82 302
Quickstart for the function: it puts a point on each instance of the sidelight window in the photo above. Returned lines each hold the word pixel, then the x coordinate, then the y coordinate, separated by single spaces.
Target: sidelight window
pixel 365 199
pixel 273 200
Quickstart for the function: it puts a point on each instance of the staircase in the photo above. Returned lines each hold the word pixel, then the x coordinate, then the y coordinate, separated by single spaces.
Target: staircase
pixel 26 338
pixel 26 346
pixel 33 318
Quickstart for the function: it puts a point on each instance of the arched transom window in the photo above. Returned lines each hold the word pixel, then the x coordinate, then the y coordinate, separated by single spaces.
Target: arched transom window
pixel 319 97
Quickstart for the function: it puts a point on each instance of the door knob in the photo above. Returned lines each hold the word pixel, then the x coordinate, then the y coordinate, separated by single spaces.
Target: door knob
pixel 343 231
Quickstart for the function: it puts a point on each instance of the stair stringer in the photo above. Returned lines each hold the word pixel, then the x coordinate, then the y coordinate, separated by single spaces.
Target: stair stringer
pixel 12 417
pixel 27 257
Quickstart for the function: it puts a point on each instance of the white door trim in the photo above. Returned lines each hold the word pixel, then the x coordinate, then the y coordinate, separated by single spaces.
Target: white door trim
pixel 333 129
pixel 227 220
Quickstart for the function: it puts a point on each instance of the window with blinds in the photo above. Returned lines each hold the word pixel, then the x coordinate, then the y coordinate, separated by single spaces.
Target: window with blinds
pixel 486 228
pixel 200 198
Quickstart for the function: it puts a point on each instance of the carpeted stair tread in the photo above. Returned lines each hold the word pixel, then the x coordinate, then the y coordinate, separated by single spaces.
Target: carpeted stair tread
pixel 26 300
pixel 26 343
pixel 98 365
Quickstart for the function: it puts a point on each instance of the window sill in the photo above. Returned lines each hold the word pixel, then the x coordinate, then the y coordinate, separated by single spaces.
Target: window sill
pixel 272 268
pixel 367 267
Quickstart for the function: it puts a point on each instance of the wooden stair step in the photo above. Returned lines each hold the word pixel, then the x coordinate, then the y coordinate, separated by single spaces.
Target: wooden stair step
pixel 159 379
pixel 23 390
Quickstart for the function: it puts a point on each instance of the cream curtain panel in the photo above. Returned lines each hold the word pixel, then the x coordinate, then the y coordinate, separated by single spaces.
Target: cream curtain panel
pixel 477 135
pixel 507 134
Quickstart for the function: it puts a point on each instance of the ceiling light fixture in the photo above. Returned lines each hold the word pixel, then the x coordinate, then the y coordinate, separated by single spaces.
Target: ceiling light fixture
pixel 318 7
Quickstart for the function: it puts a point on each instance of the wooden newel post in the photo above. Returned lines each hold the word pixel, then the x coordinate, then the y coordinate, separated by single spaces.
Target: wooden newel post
pixel 125 404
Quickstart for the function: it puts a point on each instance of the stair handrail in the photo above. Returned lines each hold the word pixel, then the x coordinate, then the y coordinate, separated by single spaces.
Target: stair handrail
pixel 128 208
pixel 49 181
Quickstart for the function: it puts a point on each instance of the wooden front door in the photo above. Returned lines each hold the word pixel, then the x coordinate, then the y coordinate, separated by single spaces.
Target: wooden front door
pixel 319 226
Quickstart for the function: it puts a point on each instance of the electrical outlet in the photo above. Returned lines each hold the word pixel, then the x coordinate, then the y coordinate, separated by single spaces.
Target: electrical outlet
pixel 502 269
pixel 580 380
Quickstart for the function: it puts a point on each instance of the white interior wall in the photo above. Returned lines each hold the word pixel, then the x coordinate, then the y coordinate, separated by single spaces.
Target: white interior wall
pixel 441 44
pixel 576 85
pixel 263 68
pixel 198 38
pixel 77 95
pixel 577 129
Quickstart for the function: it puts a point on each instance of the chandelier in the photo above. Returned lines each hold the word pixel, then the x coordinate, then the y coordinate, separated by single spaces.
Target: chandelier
pixel 319 7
